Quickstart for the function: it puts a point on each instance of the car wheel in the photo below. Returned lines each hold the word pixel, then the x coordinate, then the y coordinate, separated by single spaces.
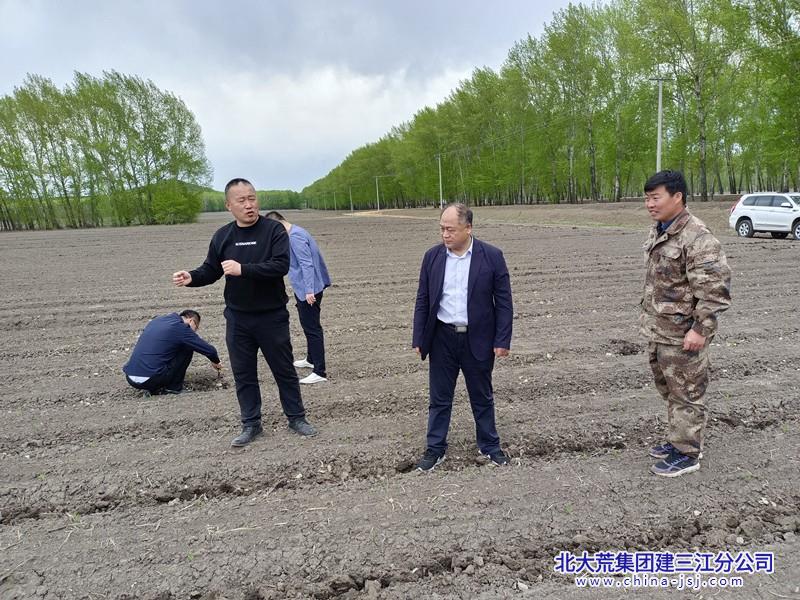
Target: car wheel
pixel 744 228
pixel 796 230
pixel 780 235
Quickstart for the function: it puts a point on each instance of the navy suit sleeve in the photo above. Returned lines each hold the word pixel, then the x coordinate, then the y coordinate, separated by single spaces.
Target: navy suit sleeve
pixel 198 344
pixel 503 308
pixel 422 305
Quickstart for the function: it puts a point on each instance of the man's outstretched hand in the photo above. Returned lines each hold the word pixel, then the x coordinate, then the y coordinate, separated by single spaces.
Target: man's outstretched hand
pixel 181 278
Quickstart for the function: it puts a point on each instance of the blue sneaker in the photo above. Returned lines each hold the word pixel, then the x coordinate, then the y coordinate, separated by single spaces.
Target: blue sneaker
pixel 664 450
pixel 675 465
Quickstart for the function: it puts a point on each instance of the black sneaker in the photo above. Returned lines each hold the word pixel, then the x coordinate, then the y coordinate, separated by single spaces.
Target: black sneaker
pixel 249 433
pixel 302 427
pixel 675 465
pixel 429 460
pixel 664 450
pixel 497 459
pixel 164 391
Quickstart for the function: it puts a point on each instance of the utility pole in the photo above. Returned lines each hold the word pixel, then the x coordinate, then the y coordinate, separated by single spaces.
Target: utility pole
pixel 441 197
pixel 522 182
pixel 660 81
pixel 660 114
pixel 350 188
pixel 377 191
pixel 334 200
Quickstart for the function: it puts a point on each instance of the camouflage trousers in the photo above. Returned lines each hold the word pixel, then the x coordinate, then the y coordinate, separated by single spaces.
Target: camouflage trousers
pixel 681 378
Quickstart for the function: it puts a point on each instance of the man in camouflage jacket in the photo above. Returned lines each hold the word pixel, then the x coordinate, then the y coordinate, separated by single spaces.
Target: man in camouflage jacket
pixel 687 286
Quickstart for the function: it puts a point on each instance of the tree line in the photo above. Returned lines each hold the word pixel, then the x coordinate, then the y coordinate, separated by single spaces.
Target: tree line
pixel 572 115
pixel 110 150
pixel 214 201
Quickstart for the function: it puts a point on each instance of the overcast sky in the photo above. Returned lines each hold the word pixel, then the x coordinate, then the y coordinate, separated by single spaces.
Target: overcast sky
pixel 283 89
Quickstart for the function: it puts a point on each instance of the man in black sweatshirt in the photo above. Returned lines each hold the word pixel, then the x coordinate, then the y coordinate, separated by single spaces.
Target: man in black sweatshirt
pixel 253 254
pixel 163 352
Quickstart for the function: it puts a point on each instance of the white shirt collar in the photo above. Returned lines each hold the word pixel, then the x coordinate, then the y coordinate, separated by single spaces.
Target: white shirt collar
pixel 467 253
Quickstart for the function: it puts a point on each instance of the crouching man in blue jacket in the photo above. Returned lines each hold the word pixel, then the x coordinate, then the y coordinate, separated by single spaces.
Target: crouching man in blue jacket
pixel 159 361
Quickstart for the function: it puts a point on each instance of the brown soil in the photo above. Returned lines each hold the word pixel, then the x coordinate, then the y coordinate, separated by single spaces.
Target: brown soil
pixel 107 494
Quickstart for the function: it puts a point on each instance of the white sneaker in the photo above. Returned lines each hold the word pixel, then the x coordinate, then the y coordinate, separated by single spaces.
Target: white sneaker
pixel 303 364
pixel 313 378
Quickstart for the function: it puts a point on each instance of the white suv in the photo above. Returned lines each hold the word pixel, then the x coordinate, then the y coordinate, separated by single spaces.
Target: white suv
pixel 773 212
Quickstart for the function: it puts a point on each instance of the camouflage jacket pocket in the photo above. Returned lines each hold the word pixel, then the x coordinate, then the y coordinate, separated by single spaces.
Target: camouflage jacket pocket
pixel 669 260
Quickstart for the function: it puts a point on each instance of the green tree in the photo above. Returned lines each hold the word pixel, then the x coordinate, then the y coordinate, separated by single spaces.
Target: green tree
pixel 571 115
pixel 113 147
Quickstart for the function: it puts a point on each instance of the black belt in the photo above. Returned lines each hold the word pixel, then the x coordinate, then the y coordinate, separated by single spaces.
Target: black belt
pixel 454 328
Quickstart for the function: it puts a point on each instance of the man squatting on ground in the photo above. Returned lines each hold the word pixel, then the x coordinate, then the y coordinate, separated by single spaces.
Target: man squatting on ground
pixel 163 352
pixel 462 320
pixel 309 277
pixel 253 254
pixel 687 286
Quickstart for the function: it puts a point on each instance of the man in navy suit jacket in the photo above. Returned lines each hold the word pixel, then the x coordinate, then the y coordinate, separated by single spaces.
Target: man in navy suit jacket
pixel 462 320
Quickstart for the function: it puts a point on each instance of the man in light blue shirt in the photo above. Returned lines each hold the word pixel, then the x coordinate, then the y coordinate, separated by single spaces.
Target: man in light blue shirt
pixel 462 321
pixel 308 276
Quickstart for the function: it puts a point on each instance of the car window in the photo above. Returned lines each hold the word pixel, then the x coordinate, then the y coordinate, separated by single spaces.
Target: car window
pixel 764 201
pixel 778 200
pixel 749 201
pixel 796 200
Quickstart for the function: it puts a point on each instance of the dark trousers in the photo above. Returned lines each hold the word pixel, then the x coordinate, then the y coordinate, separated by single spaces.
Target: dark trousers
pixel 450 352
pixel 315 341
pixel 245 335
pixel 171 377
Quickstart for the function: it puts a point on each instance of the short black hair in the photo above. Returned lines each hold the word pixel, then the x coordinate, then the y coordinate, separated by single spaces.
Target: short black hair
pixel 275 216
pixel 191 314
pixel 673 182
pixel 237 181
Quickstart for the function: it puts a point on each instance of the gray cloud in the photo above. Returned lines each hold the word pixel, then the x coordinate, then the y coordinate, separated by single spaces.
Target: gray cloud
pixel 283 90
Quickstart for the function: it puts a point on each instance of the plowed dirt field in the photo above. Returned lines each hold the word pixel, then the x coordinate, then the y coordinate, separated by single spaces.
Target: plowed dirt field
pixel 107 494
